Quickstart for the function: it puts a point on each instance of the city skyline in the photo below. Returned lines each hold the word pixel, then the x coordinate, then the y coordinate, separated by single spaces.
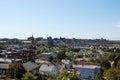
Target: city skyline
pixel 84 19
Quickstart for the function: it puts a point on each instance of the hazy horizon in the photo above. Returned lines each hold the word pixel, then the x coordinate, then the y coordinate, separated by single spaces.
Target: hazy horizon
pixel 83 19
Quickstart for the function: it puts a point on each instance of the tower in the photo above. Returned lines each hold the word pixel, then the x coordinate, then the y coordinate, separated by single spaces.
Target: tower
pixel 32 39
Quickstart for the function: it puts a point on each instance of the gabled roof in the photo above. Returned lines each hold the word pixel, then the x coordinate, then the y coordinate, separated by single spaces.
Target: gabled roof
pixel 4 66
pixel 29 66
pixel 47 67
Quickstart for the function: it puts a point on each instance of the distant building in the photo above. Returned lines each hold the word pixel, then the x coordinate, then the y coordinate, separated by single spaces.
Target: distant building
pixel 32 39
pixel 50 41
pixel 43 42
pixel 26 42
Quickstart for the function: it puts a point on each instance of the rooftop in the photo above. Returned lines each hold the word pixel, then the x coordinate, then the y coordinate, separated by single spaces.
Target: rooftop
pixel 85 64
pixel 4 60
pixel 47 67
pixel 29 66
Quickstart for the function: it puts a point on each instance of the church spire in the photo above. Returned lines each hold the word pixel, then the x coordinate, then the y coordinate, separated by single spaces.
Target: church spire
pixel 32 38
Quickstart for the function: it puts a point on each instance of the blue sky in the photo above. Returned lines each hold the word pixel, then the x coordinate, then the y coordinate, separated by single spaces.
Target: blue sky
pixel 60 18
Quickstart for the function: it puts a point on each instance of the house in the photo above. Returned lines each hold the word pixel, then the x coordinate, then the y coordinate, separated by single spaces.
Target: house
pixel 48 56
pixel 40 61
pixel 25 55
pixel 48 69
pixel 31 67
pixel 3 68
pixel 7 60
pixel 67 63
pixel 59 67
pixel 87 69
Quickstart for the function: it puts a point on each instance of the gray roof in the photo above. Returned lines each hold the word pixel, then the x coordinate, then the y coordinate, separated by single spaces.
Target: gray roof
pixel 46 67
pixel 4 66
pixel 29 66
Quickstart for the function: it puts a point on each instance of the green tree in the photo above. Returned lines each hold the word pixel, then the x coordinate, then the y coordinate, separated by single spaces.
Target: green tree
pixel 31 46
pixel 65 78
pixel 111 74
pixel 80 55
pixel 118 64
pixel 19 70
pixel 2 46
pixel 98 76
pixel 62 74
pixel 29 76
pixel 61 54
pixel 73 75
pixel 7 78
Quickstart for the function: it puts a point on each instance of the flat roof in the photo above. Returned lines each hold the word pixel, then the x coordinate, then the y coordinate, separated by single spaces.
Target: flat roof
pixel 86 66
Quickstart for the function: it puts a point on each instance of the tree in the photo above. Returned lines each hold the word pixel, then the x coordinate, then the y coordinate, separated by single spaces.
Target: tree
pixel 111 74
pixel 73 75
pixel 118 64
pixel 19 70
pixel 98 76
pixel 7 78
pixel 80 55
pixel 2 46
pixel 61 54
pixel 65 78
pixel 31 46
pixel 62 74
pixel 29 76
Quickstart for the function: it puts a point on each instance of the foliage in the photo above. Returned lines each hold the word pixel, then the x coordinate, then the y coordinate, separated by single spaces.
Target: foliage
pixel 61 55
pixel 98 76
pixel 70 56
pixel 111 74
pixel 73 75
pixel 31 46
pixel 18 69
pixel 7 78
pixel 64 75
pixel 118 64
pixel 65 78
pixel 2 46
pixel 80 55
pixel 29 76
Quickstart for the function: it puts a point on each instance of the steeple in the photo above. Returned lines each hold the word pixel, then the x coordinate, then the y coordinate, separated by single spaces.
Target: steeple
pixel 32 38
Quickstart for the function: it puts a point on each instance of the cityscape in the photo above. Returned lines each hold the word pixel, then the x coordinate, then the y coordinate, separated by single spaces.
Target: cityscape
pixel 59 59
pixel 59 40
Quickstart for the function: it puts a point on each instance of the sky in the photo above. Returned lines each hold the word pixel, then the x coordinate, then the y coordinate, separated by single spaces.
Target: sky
pixel 83 19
